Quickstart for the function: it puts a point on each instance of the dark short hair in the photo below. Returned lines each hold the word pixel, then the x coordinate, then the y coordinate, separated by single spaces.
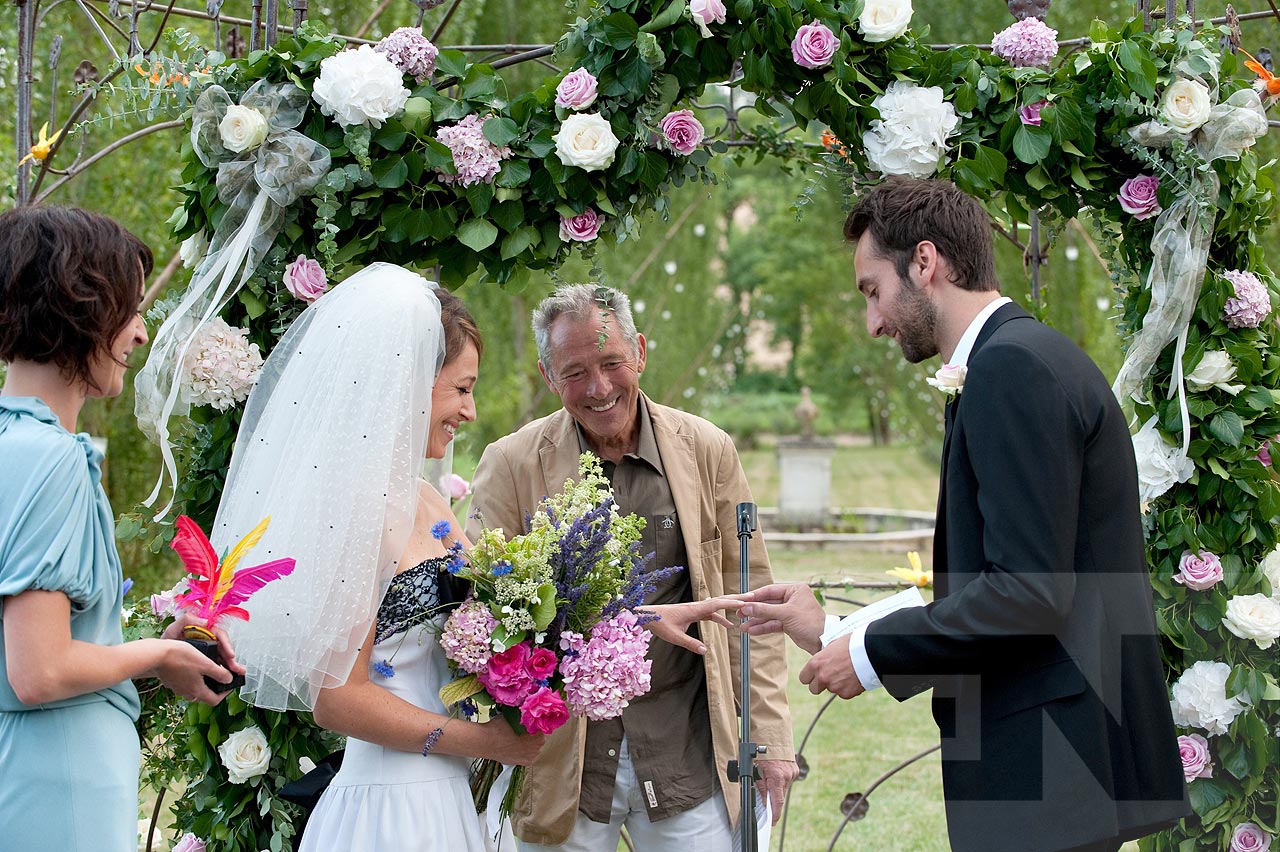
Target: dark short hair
pixel 459 326
pixel 902 212
pixel 68 285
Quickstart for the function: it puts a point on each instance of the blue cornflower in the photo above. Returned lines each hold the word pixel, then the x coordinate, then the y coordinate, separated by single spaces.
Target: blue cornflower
pixel 468 707
pixel 384 668
pixel 502 568
pixel 456 548
pixel 456 564
pixel 440 529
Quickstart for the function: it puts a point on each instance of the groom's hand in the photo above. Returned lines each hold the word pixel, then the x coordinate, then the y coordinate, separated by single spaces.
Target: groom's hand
pixel 831 670
pixel 787 607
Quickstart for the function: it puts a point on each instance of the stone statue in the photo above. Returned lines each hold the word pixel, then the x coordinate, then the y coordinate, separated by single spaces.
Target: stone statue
pixel 806 412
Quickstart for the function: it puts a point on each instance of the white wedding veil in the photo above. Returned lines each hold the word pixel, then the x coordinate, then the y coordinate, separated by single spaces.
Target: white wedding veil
pixel 331 447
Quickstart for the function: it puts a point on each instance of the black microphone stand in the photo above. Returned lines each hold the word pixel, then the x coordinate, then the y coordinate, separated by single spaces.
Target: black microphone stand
pixel 744 771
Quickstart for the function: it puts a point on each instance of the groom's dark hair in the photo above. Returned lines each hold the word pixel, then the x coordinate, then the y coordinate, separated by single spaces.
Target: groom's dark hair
pixel 902 212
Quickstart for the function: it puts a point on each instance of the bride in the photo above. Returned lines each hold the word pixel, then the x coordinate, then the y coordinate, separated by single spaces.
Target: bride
pixel 370 379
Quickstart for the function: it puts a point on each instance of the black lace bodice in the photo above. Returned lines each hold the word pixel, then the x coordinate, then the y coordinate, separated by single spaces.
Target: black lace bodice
pixel 414 597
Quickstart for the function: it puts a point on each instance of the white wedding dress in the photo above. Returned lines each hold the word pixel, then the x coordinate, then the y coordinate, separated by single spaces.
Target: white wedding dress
pixel 382 799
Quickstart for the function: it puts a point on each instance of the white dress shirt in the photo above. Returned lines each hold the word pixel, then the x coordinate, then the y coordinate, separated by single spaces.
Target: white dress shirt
pixel 857 637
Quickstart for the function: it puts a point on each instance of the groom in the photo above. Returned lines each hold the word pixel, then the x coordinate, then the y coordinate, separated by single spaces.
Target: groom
pixel 1040 646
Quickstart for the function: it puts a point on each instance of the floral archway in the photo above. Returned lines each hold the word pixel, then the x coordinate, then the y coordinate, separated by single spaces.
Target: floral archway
pixel 322 158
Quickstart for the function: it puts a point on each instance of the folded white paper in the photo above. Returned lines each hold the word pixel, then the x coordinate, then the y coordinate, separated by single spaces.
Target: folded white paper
pixel 764 825
pixel 873 612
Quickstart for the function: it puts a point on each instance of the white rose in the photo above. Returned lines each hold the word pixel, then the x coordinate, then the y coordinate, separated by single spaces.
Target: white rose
pixel 192 249
pixel 360 86
pixel 1255 617
pixel 884 20
pixel 1214 370
pixel 242 129
pixel 586 140
pixel 1200 698
pixel 245 754
pixel 1270 568
pixel 1185 105
pixel 910 136
pixel 1160 465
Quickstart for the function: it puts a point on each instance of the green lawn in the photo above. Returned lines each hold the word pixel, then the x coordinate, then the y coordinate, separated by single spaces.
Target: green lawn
pixel 901 476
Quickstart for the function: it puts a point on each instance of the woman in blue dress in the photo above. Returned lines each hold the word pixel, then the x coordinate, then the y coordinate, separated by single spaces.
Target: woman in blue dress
pixel 71 283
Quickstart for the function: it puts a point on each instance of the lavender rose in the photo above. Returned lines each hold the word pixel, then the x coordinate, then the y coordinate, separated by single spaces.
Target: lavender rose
pixel 1196 762
pixel 814 46
pixel 1138 196
pixel 189 843
pixel 305 279
pixel 1249 838
pixel 682 131
pixel 1030 114
pixel 1199 570
pixel 582 228
pixel 577 90
pixel 706 12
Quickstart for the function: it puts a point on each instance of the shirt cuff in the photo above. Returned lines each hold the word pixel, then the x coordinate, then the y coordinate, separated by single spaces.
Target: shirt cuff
pixel 861 662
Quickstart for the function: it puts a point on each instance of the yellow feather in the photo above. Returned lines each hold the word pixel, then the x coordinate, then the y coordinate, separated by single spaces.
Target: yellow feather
pixel 227 570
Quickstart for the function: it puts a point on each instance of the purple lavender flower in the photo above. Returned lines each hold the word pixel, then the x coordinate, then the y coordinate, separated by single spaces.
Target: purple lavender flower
pixel 384 668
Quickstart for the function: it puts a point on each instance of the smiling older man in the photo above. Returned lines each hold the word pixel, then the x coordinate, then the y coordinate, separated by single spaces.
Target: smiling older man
pixel 660 768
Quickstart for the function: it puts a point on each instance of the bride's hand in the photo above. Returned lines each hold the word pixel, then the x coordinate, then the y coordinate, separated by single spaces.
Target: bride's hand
pixel 512 748
pixel 672 623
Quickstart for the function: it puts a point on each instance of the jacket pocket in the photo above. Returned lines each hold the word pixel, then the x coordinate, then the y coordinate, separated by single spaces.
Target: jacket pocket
pixel 711 583
pixel 1034 688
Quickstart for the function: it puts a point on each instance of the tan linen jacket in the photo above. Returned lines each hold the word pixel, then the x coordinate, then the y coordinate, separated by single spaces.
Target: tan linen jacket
pixel 707 484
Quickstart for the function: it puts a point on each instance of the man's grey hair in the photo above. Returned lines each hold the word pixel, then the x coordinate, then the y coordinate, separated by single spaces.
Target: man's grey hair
pixel 581 300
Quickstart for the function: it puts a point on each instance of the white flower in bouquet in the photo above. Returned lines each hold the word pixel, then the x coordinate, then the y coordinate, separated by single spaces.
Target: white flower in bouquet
pixel 221 366
pixel 1185 105
pixel 360 86
pixel 1255 617
pixel 1270 569
pixel 242 129
pixel 884 20
pixel 1200 698
pixel 192 249
pixel 1214 370
pixel 586 140
pixel 910 136
pixel 245 754
pixel 1160 465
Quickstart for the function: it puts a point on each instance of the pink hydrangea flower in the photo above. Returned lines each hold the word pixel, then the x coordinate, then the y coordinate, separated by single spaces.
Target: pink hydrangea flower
pixel 682 131
pixel 1199 570
pixel 507 676
pixel 1196 762
pixel 411 52
pixel 1251 303
pixel 814 46
pixel 577 90
pixel 1248 837
pixel 582 228
pixel 305 279
pixel 1028 43
pixel 544 711
pixel 603 674
pixel 1030 114
pixel 1138 196
pixel 475 157
pixel 465 638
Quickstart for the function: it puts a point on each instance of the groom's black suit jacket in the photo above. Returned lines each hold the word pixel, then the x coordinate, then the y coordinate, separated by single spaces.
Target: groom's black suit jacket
pixel 1041 644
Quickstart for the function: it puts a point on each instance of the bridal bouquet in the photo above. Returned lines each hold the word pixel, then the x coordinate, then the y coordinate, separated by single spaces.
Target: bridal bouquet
pixel 551 628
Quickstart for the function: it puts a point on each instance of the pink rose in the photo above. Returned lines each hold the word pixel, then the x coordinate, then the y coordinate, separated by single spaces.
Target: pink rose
pixel 1196 763
pixel 706 12
pixel 305 279
pixel 542 664
pixel 1030 114
pixel 682 131
pixel 1249 838
pixel 458 487
pixel 543 712
pixel 583 228
pixel 507 678
pixel 162 604
pixel 577 90
pixel 1201 570
pixel 1264 454
pixel 814 46
pixel 189 843
pixel 1138 196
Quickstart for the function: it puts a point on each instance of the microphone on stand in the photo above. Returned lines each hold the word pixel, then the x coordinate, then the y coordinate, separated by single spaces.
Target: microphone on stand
pixel 743 771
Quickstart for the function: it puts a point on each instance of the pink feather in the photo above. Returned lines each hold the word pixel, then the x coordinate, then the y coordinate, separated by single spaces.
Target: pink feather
pixel 212 595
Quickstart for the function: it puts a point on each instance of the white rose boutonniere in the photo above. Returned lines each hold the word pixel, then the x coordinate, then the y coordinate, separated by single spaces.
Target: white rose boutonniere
pixel 586 140
pixel 245 754
pixel 360 86
pixel 1255 617
pixel 242 129
pixel 1185 105
pixel 1214 370
pixel 950 379
pixel 884 20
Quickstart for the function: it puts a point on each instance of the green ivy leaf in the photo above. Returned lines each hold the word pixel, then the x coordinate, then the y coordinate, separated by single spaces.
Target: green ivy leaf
pixel 390 173
pixel 1227 427
pixel 620 30
pixel 1031 144
pixel 477 234
pixel 519 240
pixel 501 131
pixel 1206 795
pixel 451 63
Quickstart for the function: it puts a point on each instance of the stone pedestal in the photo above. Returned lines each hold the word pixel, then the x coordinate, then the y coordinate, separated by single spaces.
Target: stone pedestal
pixel 804 500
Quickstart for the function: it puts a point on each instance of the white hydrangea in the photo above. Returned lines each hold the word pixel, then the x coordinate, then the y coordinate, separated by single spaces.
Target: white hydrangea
pixel 221 366
pixel 360 86
pixel 910 136
pixel 1200 698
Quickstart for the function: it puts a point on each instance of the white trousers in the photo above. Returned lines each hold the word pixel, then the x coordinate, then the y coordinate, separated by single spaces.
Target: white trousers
pixel 704 828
